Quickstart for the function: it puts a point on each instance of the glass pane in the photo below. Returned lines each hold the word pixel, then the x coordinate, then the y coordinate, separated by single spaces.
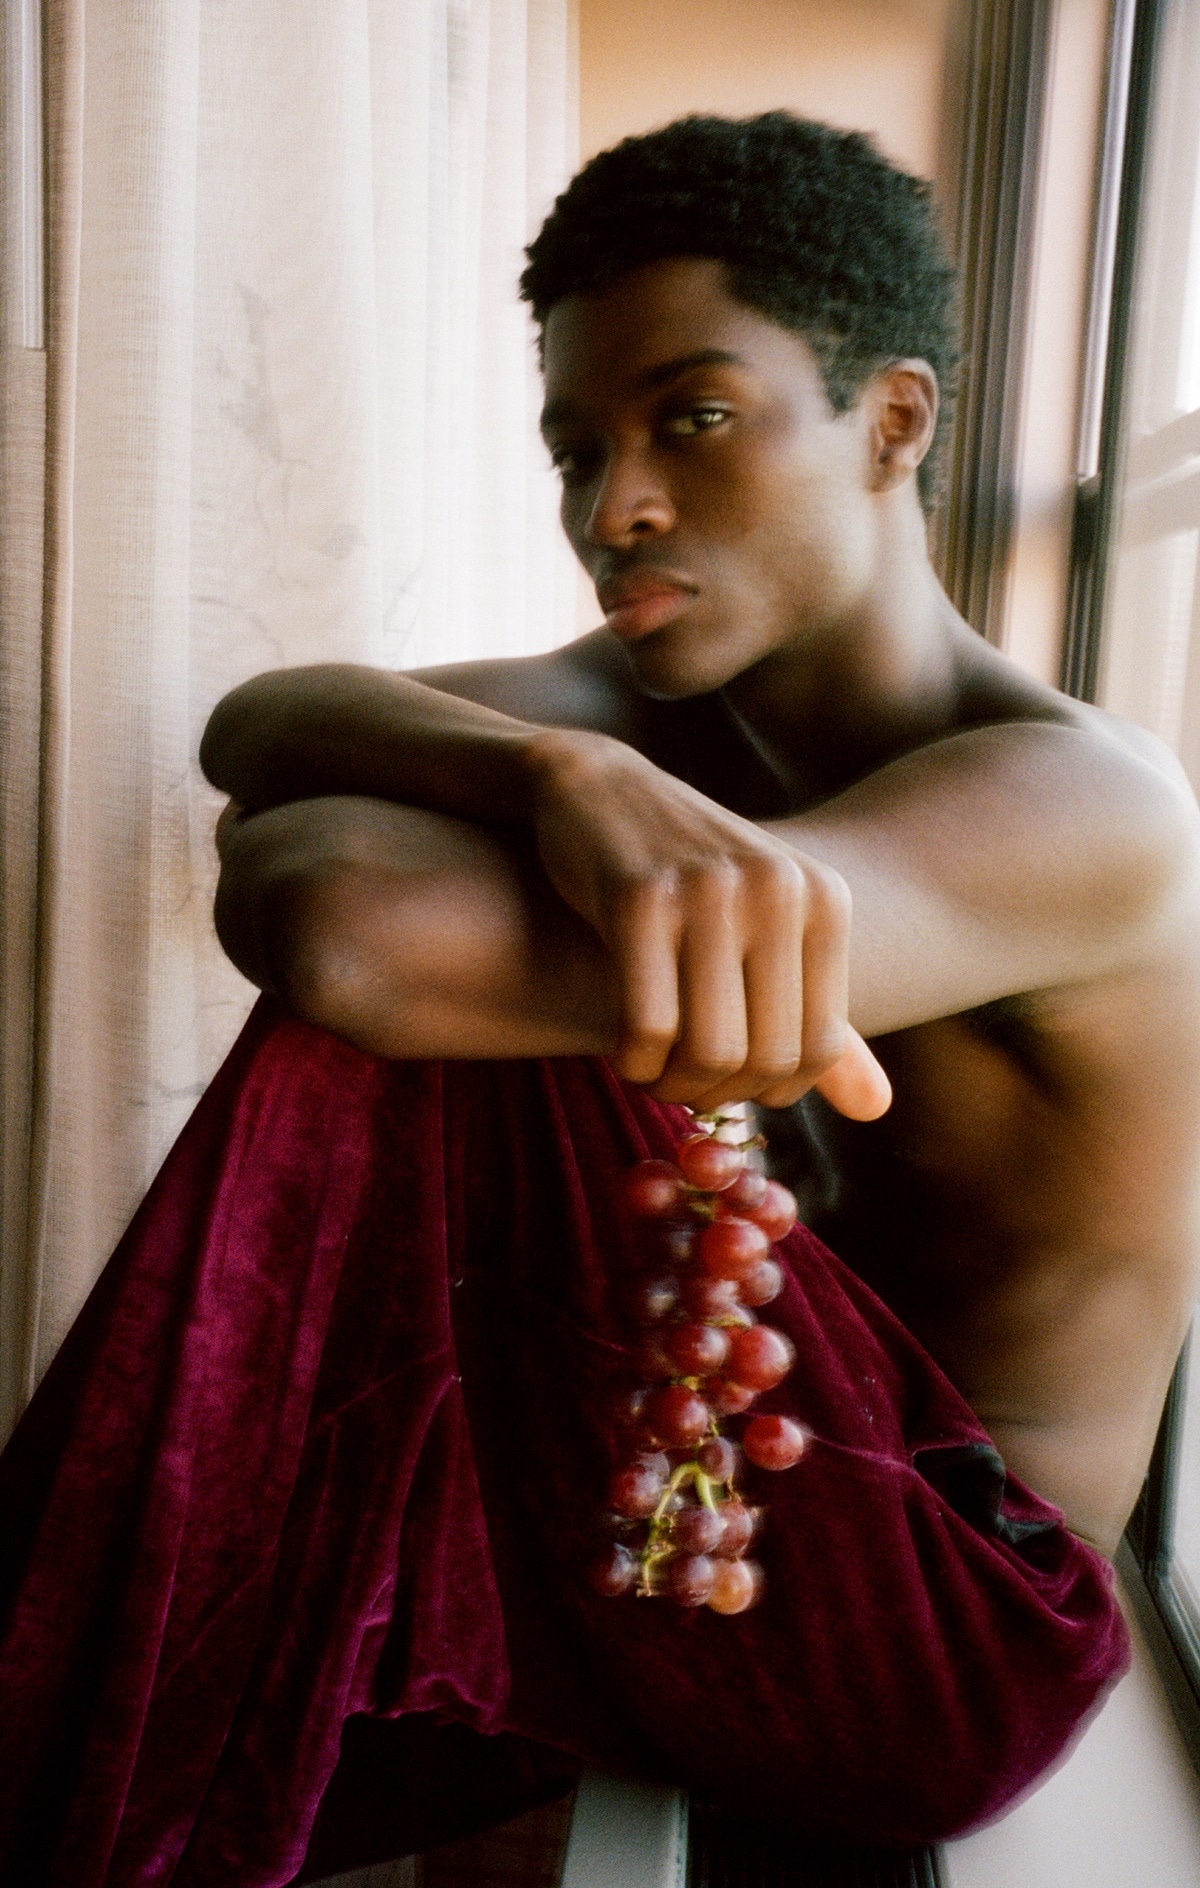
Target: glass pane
pixel 1185 1560
pixel 1150 666
pixel 1150 659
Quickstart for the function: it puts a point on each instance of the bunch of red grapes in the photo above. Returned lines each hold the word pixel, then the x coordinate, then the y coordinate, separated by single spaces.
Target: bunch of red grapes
pixel 679 1526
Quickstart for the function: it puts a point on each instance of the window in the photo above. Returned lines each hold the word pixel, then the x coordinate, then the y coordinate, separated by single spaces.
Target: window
pixel 1149 666
pixel 1136 637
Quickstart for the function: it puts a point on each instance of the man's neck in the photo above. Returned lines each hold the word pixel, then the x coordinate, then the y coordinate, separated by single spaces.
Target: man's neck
pixel 893 677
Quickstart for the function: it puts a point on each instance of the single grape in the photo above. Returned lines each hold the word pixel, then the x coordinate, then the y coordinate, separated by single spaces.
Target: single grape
pixel 677 1240
pixel 676 1417
pixel 726 1398
pixel 696 1349
pixel 736 1584
pixel 748 1191
pixel 705 1298
pixel 635 1491
pixel 762 1283
pixel 774 1441
pixel 614 1572
pixel 625 1402
pixel 653 1189
pixel 730 1248
pixel 708 1164
pixel 689 1578
pixel 620 1527
pixel 718 1457
pixel 777 1214
pixel 653 1361
pixel 655 1460
pixel 760 1358
pixel 652 1299
pixel 738 1523
pixel 696 1530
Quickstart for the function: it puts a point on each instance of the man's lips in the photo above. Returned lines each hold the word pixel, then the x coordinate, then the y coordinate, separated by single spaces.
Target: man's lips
pixel 635 609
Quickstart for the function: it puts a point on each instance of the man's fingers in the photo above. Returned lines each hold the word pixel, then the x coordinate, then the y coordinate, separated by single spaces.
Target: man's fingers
pixel 734 987
pixel 776 976
pixel 645 944
pixel 856 1084
pixel 712 1036
pixel 824 1031
pixel 774 994
pixel 826 975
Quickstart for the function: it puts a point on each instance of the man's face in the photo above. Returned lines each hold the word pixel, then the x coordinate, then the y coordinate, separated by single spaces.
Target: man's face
pixel 720 506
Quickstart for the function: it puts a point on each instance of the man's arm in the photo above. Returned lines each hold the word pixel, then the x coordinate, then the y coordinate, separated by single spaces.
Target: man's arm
pixel 1008 860
pixel 714 955
pixel 728 951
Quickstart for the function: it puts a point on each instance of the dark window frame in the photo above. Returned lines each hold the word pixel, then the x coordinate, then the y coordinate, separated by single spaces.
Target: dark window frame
pixel 1146 1565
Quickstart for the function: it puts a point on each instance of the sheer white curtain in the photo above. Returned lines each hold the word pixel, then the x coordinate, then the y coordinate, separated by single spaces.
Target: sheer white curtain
pixel 290 417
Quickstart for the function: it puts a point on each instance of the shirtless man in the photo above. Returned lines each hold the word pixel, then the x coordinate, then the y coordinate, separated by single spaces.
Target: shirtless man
pixel 785 794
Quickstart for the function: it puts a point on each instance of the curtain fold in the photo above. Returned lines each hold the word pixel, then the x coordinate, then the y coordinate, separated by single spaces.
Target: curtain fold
pixel 290 418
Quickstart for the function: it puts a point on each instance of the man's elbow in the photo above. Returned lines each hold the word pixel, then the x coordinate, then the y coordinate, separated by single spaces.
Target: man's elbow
pixel 306 931
pixel 225 741
pixel 1163 882
pixel 1125 855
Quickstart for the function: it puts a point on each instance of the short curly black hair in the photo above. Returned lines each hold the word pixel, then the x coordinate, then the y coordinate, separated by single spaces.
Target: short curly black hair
pixel 817 230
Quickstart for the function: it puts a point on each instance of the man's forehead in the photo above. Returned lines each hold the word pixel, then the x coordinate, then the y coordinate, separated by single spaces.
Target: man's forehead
pixel 651 325
pixel 658 373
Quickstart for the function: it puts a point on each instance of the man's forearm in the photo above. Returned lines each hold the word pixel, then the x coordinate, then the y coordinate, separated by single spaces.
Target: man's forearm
pixel 1003 860
pixel 299 734
pixel 1006 859
pixel 412 934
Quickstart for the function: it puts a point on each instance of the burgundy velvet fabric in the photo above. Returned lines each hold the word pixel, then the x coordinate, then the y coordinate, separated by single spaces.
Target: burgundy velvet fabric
pixel 294 1530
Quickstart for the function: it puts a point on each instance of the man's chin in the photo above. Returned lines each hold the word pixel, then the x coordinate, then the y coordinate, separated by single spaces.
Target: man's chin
pixel 667 673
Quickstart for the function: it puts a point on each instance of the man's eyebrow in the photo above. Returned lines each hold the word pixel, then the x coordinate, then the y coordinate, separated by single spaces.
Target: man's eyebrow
pixel 667 371
pixel 562 412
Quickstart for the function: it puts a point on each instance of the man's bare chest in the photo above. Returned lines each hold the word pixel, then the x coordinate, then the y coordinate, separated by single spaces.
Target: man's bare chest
pixel 969 1179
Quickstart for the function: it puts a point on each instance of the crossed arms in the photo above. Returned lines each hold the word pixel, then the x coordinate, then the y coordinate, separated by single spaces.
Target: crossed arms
pixel 429 877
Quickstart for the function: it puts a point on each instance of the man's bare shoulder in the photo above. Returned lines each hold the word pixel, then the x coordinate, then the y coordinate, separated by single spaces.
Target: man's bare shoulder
pixel 1136 741
pixel 586 684
pixel 998 691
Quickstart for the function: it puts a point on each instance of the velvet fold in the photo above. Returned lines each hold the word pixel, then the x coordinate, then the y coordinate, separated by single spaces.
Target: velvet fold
pixel 295 1531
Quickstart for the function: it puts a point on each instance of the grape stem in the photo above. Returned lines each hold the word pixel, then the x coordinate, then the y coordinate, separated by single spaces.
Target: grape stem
pixel 658 1544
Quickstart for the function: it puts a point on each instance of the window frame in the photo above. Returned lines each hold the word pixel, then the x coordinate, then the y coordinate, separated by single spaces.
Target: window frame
pixel 1145 1563
pixel 1145 1558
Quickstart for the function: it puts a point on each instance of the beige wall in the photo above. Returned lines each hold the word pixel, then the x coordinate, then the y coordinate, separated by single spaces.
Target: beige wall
pixel 869 65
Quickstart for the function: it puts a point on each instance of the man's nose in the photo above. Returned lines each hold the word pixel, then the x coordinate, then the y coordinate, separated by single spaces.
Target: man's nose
pixel 631 502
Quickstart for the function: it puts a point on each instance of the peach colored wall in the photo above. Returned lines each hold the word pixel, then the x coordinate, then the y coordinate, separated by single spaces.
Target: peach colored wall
pixel 871 65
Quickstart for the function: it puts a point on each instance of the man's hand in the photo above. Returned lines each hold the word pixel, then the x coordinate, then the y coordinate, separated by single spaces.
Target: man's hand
pixel 583 900
pixel 730 948
pixel 726 947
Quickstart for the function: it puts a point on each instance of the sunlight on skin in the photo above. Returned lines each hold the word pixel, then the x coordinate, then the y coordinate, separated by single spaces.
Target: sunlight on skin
pixel 856 1084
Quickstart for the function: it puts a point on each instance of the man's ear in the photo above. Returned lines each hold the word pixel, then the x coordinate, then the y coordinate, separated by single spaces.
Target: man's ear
pixel 901 409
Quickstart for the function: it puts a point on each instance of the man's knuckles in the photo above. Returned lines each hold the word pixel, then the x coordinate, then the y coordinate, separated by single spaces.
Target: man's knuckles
pixel 824 1044
pixel 642 1053
pixel 827 898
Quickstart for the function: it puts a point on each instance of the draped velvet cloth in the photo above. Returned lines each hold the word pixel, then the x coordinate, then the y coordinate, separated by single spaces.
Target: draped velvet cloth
pixel 294 1531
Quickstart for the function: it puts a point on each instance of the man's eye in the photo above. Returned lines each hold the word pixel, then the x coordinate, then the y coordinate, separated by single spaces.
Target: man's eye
pixel 697 419
pixel 572 463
